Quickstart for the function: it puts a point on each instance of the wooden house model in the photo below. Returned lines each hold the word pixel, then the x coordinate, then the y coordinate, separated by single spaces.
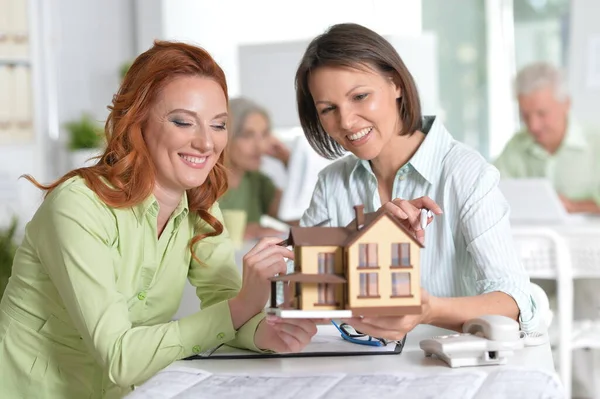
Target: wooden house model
pixel 370 267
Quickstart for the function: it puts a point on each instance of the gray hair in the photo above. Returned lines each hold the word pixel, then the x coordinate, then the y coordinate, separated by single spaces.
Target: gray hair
pixel 541 75
pixel 239 109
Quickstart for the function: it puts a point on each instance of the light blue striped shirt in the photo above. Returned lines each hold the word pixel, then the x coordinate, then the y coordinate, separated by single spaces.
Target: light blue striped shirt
pixel 469 250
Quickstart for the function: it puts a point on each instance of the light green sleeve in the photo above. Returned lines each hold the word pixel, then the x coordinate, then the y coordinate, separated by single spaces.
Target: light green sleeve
pixel 77 235
pixel 511 162
pixel 218 279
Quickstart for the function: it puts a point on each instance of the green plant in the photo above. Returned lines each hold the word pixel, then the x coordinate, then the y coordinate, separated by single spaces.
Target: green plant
pixel 124 68
pixel 8 247
pixel 84 133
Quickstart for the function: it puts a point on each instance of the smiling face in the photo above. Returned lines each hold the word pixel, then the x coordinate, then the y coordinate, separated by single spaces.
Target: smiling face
pixel 358 108
pixel 186 132
pixel 248 147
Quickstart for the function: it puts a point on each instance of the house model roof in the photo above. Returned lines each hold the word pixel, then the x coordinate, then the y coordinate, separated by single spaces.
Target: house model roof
pixel 343 236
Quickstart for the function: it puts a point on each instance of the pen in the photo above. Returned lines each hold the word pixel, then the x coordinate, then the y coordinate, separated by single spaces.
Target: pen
pixel 425 215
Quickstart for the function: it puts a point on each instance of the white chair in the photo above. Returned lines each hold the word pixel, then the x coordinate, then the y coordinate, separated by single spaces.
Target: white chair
pixel 545 255
pixel 543 303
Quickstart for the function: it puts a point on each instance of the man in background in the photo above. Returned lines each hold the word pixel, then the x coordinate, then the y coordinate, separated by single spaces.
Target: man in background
pixel 553 145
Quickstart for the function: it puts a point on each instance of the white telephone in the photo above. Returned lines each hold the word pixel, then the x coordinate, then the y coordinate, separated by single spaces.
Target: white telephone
pixel 485 340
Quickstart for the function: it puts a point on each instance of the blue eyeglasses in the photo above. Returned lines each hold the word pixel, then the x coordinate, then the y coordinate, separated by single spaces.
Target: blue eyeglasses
pixel 356 337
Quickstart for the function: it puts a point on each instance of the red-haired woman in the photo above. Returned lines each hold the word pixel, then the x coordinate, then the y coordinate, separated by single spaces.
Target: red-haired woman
pixel 100 273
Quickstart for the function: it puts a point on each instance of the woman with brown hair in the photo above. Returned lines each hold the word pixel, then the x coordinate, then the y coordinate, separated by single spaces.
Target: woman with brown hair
pixel 355 95
pixel 101 270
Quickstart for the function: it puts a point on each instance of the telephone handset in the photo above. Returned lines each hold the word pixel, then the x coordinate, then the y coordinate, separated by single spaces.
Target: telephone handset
pixel 485 340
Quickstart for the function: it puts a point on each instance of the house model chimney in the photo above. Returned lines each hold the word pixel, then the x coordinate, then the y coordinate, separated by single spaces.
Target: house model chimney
pixel 360 216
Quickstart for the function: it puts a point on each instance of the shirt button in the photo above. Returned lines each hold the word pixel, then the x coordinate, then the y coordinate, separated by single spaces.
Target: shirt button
pixel 221 335
pixel 196 349
pixel 142 295
pixel 402 177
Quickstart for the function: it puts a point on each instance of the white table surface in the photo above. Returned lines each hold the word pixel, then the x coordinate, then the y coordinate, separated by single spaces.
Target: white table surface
pixel 411 359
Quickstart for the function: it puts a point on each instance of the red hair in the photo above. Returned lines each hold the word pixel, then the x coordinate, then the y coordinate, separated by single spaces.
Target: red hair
pixel 126 162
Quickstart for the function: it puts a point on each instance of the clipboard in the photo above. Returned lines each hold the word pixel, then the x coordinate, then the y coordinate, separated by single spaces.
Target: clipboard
pixel 326 343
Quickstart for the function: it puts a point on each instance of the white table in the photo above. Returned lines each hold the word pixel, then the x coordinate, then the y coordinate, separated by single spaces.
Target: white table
pixel 412 359
pixel 569 254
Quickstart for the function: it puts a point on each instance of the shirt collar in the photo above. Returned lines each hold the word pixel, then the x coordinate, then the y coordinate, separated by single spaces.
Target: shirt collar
pixel 150 205
pixel 429 155
pixel 431 152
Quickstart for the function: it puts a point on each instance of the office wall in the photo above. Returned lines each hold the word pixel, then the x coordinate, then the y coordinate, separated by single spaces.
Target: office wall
pixel 148 23
pixel 584 28
pixel 463 76
pixel 93 40
pixel 267 73
pixel 221 26
pixel 78 47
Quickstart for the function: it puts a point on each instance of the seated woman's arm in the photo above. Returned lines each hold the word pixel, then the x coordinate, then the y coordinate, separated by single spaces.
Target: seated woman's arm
pixel 218 279
pixel 78 235
pixel 501 280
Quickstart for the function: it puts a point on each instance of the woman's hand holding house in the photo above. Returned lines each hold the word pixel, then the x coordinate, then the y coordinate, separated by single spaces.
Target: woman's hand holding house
pixel 262 262
pixel 409 213
pixel 393 328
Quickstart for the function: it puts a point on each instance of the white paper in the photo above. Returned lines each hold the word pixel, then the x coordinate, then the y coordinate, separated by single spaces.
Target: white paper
pixel 446 385
pixel 503 382
pixel 168 383
pixel 276 386
pixel 520 383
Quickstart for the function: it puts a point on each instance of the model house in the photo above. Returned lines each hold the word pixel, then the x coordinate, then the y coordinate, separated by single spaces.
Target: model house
pixel 370 267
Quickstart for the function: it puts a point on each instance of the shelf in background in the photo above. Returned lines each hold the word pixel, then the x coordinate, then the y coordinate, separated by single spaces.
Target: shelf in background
pixel 14 62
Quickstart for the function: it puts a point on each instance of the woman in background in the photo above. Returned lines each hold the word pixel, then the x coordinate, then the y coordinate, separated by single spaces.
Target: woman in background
pixel 100 273
pixel 355 94
pixel 249 189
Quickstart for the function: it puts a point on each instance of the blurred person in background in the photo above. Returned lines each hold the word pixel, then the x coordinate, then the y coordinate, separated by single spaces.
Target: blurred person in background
pixel 88 310
pixel 553 145
pixel 250 190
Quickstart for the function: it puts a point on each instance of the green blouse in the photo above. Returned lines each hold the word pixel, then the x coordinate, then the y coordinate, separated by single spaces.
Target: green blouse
pixel 88 310
pixel 254 195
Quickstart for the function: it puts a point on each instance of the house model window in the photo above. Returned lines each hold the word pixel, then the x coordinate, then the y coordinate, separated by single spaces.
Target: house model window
pixel 369 267
pixel 400 254
pixel 326 291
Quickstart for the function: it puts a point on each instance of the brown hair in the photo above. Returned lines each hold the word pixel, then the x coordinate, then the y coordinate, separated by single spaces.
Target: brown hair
pixel 352 46
pixel 126 162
